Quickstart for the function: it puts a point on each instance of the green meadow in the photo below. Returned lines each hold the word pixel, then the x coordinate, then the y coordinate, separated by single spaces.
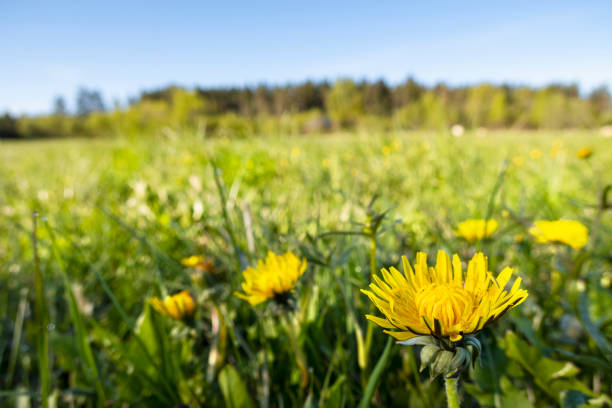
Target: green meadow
pixel 116 216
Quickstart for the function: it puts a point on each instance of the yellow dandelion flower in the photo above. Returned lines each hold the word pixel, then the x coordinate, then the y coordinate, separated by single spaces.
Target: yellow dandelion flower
pixel 570 232
pixel 179 306
pixel 440 301
pixel 273 278
pixel 505 213
pixel 584 153
pixel 475 229
pixel 192 261
pixel 557 148
pixel 535 154
pixel 518 238
pixel 199 262
pixel 518 161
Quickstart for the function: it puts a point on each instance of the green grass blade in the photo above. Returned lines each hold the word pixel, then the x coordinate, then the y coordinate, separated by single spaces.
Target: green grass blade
pixel 84 348
pixel 42 318
pixel 234 389
pixel 602 343
pixel 132 327
pixel 158 255
pixel 240 256
pixel 375 376
pixel 18 328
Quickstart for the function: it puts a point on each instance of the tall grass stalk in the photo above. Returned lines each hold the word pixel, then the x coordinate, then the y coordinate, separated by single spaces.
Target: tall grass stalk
pixel 240 258
pixel 373 268
pixel 379 368
pixel 18 329
pixel 42 320
pixel 84 348
pixel 172 392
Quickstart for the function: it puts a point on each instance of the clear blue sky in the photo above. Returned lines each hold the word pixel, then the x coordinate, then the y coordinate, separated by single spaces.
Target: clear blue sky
pixel 123 47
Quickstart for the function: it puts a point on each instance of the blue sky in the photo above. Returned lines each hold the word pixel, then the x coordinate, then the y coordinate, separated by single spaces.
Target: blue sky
pixel 122 48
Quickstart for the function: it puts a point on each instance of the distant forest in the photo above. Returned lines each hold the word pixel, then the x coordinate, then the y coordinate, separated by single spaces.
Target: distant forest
pixel 318 107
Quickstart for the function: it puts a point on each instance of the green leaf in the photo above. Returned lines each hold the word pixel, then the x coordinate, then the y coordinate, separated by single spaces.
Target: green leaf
pixel 585 359
pixel 152 330
pixel 234 390
pixel 335 395
pixel 591 328
pixel 551 376
pixel 84 349
pixel 573 399
pixel 513 397
pixel 310 401
pixel 525 326
pixel 130 354
pixel 139 351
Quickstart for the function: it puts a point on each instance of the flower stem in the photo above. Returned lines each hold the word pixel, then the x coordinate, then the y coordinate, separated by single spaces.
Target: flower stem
pixel 373 254
pixel 292 331
pixel 370 330
pixel 452 396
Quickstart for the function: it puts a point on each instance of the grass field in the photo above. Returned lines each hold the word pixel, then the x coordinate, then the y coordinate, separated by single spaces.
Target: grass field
pixel 117 216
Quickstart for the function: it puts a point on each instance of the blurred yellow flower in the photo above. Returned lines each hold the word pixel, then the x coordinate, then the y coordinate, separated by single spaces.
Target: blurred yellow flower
pixel 572 233
pixel 476 229
pixel 325 163
pixel 518 238
pixel 439 301
pixel 391 147
pixel 273 278
pixel 505 213
pixel 192 261
pixel 557 148
pixel 535 154
pixel 584 153
pixel 606 280
pixel 518 161
pixel 199 262
pixel 179 306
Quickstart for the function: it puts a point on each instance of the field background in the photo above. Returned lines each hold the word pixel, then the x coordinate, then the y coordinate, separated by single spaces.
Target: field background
pixel 125 211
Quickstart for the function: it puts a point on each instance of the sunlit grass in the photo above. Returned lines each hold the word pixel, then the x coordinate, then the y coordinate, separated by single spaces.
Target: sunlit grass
pixel 124 215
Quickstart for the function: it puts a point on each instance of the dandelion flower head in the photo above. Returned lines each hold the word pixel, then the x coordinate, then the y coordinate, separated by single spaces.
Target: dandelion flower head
pixel 442 301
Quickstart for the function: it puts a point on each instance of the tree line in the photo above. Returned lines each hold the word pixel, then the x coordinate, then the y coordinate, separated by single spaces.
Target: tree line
pixel 319 107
